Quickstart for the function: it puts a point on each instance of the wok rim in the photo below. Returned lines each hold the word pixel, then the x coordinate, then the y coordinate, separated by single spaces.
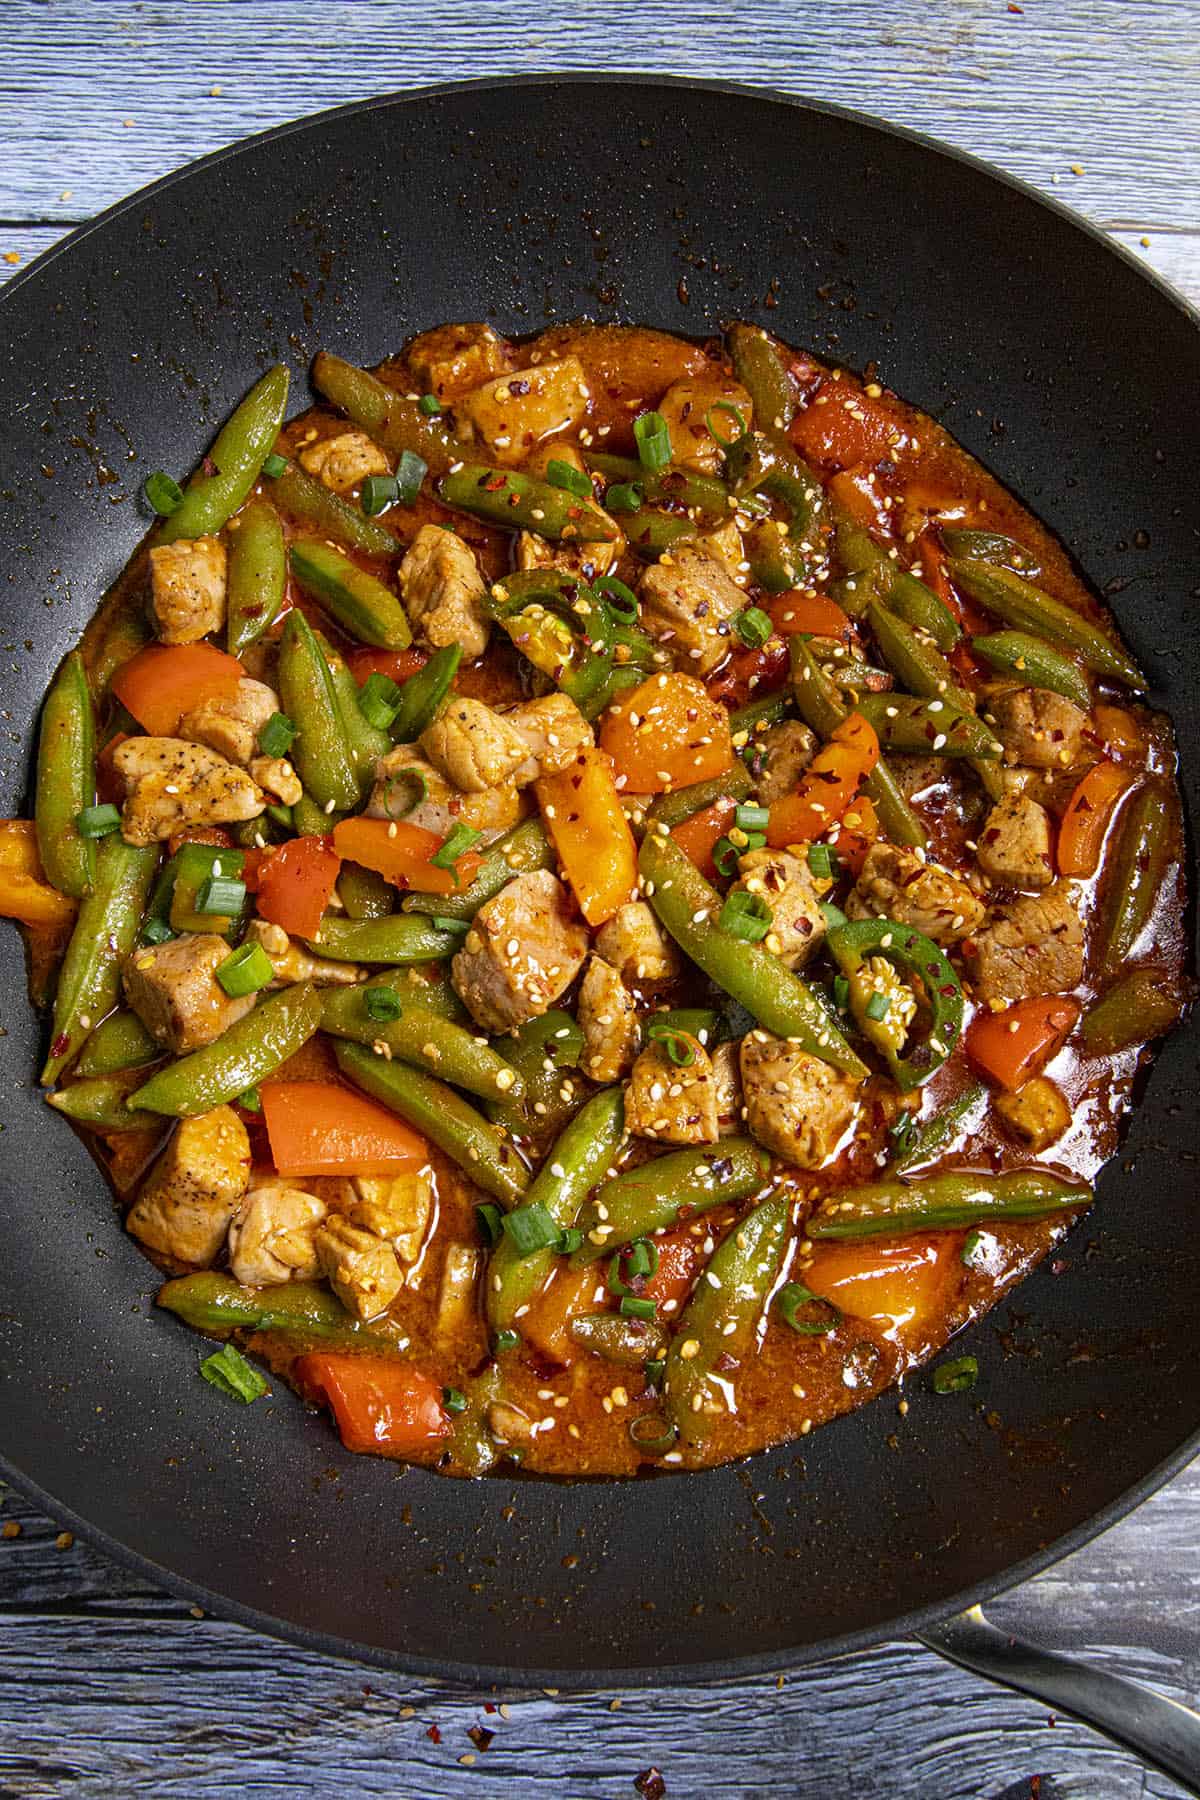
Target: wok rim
pixel 905 1625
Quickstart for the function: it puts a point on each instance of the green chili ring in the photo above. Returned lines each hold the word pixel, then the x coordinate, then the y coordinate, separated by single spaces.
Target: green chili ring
pixel 913 955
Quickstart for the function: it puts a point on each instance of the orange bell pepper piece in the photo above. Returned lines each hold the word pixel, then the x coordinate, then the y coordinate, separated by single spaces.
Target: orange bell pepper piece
pixel 397 665
pixel 827 786
pixel 1088 816
pixel 1013 1045
pixel 585 822
pixel 323 1128
pixel 293 885
pixel 859 830
pixel 843 426
pixel 382 1405
pixel 401 853
pixel 164 681
pixel 666 734
pixel 697 837
pixel 25 894
pixel 815 614
pixel 901 1287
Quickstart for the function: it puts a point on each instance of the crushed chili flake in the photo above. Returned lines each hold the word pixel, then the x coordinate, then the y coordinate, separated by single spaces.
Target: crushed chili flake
pixel 434 1735
pixel 480 1736
pixel 650 1784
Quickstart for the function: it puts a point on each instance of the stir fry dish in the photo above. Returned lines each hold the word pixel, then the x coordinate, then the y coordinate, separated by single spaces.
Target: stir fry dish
pixel 600 897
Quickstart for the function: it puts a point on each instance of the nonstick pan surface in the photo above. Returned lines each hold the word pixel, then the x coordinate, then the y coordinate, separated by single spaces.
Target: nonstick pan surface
pixel 1053 357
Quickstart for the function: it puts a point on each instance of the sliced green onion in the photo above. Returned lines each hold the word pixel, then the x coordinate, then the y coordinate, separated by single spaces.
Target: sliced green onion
pixel 157 931
pixel 745 916
pixel 651 1432
pixel 751 818
pixel 570 1239
pixel 459 926
pixel 624 496
pixel 506 1340
pixel 878 1007
pixel 277 735
pixel 654 1370
pixel 972 1253
pixel 634 1307
pixel 653 441
pixel 957 1376
pixel 251 1100
pixel 382 1003
pixel 755 840
pixel 274 465
pixel 163 493
pixel 222 895
pixel 245 971
pixel 841 998
pixel 454 1400
pixel 753 626
pixel 456 844
pixel 407 780
pixel 793 1296
pixel 821 861
pixel 530 1229
pixel 430 405
pixel 642 1257
pixel 725 856
pixel 411 471
pixel 490 1220
pixel 730 411
pixel 229 1371
pixel 565 475
pixel 379 700
pixel 677 1044
pixel 832 915
pixel 620 600
pixel 377 493
pixel 97 821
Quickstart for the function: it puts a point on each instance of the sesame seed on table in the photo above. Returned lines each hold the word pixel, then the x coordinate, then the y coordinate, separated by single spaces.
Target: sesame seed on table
pixel 113 1687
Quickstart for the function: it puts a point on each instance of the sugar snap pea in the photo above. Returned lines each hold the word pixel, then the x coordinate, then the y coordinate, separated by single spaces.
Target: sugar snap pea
pixel 99 1104
pixel 1136 869
pixel 759 368
pixel 719 1319
pixel 545 1052
pixel 257 575
pixel 241 447
pixel 303 497
pixel 443 1116
pixel 780 1000
pixel 400 938
pixel 666 1190
pixel 922 668
pixel 521 850
pixel 671 485
pixel 301 1309
pixel 395 422
pixel 822 707
pixel 757 716
pixel 581 1155
pixel 924 1142
pixel 322 752
pixel 627 1342
pixel 990 547
pixel 520 502
pixel 119 1042
pixel 363 607
pixel 367 743
pixel 1033 661
pixel 874 575
pixel 422 1038
pixel 1027 608
pixel 1143 1005
pixel 249 1050
pixel 908 723
pixel 89 982
pixel 940 1202
pixel 673 808
pixel 364 893
pixel 66 780
pixel 119 630
pixel 651 533
pixel 421 696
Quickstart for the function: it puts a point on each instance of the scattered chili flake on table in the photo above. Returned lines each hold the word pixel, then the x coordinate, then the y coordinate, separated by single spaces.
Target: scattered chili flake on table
pixel 650 1784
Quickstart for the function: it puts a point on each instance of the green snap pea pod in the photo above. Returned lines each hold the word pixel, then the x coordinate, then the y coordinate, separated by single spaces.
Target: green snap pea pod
pixel 522 503
pixel 768 465
pixel 758 716
pixel 1027 608
pixel 212 1302
pixel 627 1342
pixel 923 670
pixel 257 575
pixel 704 1023
pixel 672 485
pixel 673 808
pixel 929 1139
pixel 363 607
pixel 99 1104
pixel 916 959
pixel 720 1318
pixel 322 753
pixel 520 851
pixel 916 726
pixel 776 562
pixel 429 987
pixel 779 999
pixel 1033 661
pixel 650 533
pixel 941 1202
pixel 367 743
pixel 252 1048
pixel 400 938
pixel 471 1443
pixel 668 1190
pixel 66 780
pixel 443 1116
pixel 543 1052
pixel 873 575
pixel 822 707
pixel 556 642
pixel 119 630
pixel 759 368
pixel 119 1042
pixel 89 982
pixel 1137 867
pixel 394 422
pixel 364 893
pixel 581 1155
pixel 311 820
pixel 303 497
pixel 423 1038
pixel 1144 1005
pixel 991 547
pixel 421 696
pixel 241 447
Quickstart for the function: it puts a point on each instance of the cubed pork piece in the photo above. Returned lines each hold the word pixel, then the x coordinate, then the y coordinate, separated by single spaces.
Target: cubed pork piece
pixel 410 788
pixel 187 589
pixel 520 409
pixel 781 756
pixel 272 1238
pixel 1029 948
pixel 796 1105
pixel 1038 728
pixel 670 1104
pixel 608 1019
pixel 230 723
pixel 361 1268
pixel 174 992
pixel 450 360
pixel 1037 1113
pixel 1014 844
pixel 689 405
pixel 524 949
pixel 473 745
pixel 170 785
pixel 194 1189
pixel 783 882
pixel 343 461
pixel 688 603
pixel 897 884
pixel 444 592
pixel 638 948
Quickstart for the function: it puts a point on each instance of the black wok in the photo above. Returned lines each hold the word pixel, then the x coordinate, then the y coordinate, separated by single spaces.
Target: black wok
pixel 1059 362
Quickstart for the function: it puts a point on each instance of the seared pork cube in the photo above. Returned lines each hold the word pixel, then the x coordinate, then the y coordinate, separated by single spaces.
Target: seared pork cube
pixel 474 746
pixel 1037 1113
pixel 1030 948
pixel 342 462
pixel 187 589
pixel 608 1020
pixel 1038 728
pixel 452 359
pixel 524 949
pixel 554 730
pixel 194 1189
pixel 409 787
pixel 689 405
pixel 636 945
pixel 1014 844
pixel 781 756
pixel 444 592
pixel 796 1105
pixel 361 1268
pixel 688 602
pixel 783 882
pixel 170 785
pixel 671 1104
pixel 520 409
pixel 272 1238
pixel 396 1208
pixel 292 963
pixel 230 724
pixel 173 989
pixel 897 884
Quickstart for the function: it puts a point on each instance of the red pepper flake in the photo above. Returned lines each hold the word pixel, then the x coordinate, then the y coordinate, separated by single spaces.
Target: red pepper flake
pixel 480 1736
pixel 650 1784
pixel 434 1735
pixel 1014 8
pixel 59 1046
pixel 494 482
pixel 209 466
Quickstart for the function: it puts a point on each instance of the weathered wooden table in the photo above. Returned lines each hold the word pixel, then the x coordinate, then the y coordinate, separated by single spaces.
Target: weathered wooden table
pixel 109 1689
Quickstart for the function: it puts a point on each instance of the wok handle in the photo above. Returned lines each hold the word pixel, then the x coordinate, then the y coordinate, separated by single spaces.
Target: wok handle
pixel 1158 1730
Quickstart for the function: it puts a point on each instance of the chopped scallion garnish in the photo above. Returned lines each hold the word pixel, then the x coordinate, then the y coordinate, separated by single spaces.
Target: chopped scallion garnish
pixel 430 405
pixel 624 496
pixel 565 475
pixel 634 1307
pixel 745 916
pixel 377 493
pixel 163 493
pixel 274 465
pixel 957 1376
pixel 245 971
pixel 753 626
pixel 382 1004
pixel 678 1046
pixel 653 441
pixel 490 1220
pixel 229 1371
pixel 820 1316
pixel 751 818
pixel 379 700
pixel 277 735
pixel 411 471
pixel 530 1229
pixel 222 896
pixel 878 1007
pixel 454 1400
pixel 821 861
pixel 454 845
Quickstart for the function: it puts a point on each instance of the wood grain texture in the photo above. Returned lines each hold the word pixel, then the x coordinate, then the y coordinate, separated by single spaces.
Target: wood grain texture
pixel 108 1688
